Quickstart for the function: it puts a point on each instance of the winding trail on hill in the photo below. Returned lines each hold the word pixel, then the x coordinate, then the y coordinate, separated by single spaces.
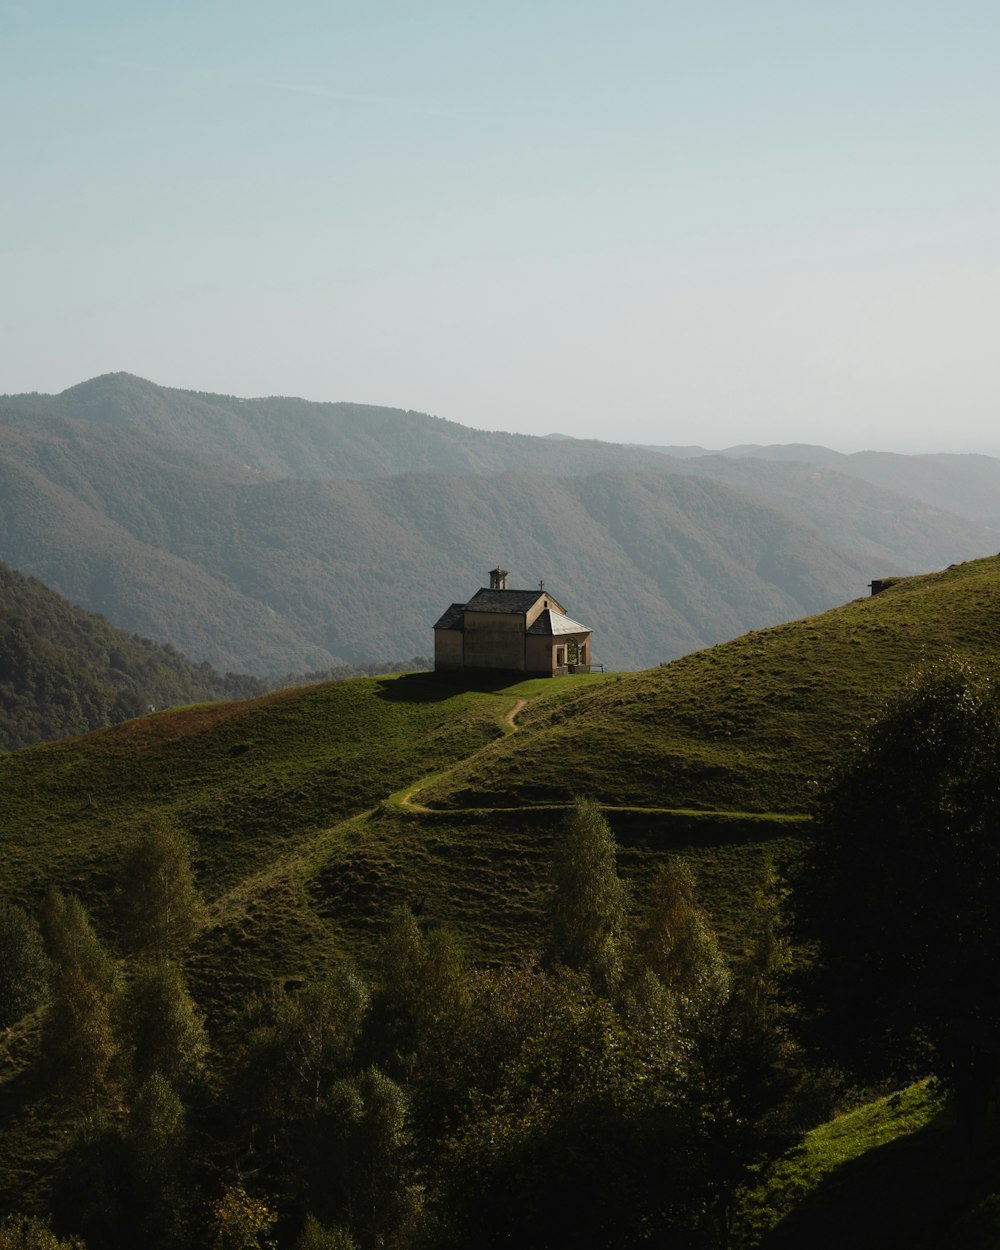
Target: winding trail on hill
pixel 509 718
pixel 405 799
pixel 293 868
pixel 297 864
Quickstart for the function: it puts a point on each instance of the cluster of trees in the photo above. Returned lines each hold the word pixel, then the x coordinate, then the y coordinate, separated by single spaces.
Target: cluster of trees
pixel 617 1090
pixel 620 1084
pixel 897 903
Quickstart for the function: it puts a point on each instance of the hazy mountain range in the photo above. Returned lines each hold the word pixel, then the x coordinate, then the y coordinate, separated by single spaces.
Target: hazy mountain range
pixel 270 535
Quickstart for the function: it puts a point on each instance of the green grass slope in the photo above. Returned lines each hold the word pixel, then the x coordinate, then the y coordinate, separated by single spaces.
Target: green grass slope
pixel 247 780
pixel 271 790
pixel 314 811
pixel 893 1172
pixel 751 725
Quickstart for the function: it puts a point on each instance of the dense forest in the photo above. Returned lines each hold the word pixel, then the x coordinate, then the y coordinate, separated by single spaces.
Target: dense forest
pixel 427 1102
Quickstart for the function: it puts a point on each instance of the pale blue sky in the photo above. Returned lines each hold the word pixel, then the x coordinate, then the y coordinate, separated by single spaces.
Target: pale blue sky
pixel 701 223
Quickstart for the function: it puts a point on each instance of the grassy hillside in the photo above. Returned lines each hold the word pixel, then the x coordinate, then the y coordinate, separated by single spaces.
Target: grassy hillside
pixel 267 789
pixel 751 725
pixel 304 839
pixel 893 1172
pixel 314 811
pixel 248 779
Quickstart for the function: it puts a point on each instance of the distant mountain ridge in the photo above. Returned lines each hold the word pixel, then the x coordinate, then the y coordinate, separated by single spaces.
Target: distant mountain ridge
pixel 966 484
pixel 277 535
pixel 288 437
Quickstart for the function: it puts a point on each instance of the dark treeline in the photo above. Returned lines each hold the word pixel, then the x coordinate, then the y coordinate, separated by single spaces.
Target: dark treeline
pixel 614 1087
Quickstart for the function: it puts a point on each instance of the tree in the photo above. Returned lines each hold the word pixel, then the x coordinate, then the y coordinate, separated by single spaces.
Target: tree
pixel 78 1036
pixel 160 907
pixel 242 1222
pixel 676 941
pixel 298 1041
pixel 575 1145
pixel 899 896
pixel 423 991
pixel 315 1237
pixel 363 1169
pixel 71 941
pixel 24 966
pixel 714 1036
pixel 739 1070
pixel 26 1232
pixel 317 1027
pixel 589 902
pixel 157 1142
pixel 161 1025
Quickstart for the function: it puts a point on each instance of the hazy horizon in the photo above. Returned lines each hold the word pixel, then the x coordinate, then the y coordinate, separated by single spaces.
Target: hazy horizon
pixel 678 225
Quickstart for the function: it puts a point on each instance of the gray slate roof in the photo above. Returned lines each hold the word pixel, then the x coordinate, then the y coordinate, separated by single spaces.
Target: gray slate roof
pixel 503 600
pixel 550 622
pixel 452 618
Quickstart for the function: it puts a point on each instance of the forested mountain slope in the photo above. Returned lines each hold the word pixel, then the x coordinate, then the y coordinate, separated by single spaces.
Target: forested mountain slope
pixel 289 437
pixel 277 535
pixel 275 575
pixel 66 671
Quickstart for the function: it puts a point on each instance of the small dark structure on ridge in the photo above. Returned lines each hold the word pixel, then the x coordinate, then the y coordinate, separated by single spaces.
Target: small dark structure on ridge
pixel 518 630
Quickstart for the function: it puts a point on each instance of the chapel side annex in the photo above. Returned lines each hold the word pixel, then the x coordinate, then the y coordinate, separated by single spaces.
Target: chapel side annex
pixel 524 631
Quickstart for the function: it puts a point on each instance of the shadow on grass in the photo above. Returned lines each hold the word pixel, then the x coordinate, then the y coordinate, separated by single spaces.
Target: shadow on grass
pixel 911 1192
pixel 436 687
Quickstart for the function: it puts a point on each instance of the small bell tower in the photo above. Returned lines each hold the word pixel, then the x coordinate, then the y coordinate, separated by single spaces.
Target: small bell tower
pixel 498 578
